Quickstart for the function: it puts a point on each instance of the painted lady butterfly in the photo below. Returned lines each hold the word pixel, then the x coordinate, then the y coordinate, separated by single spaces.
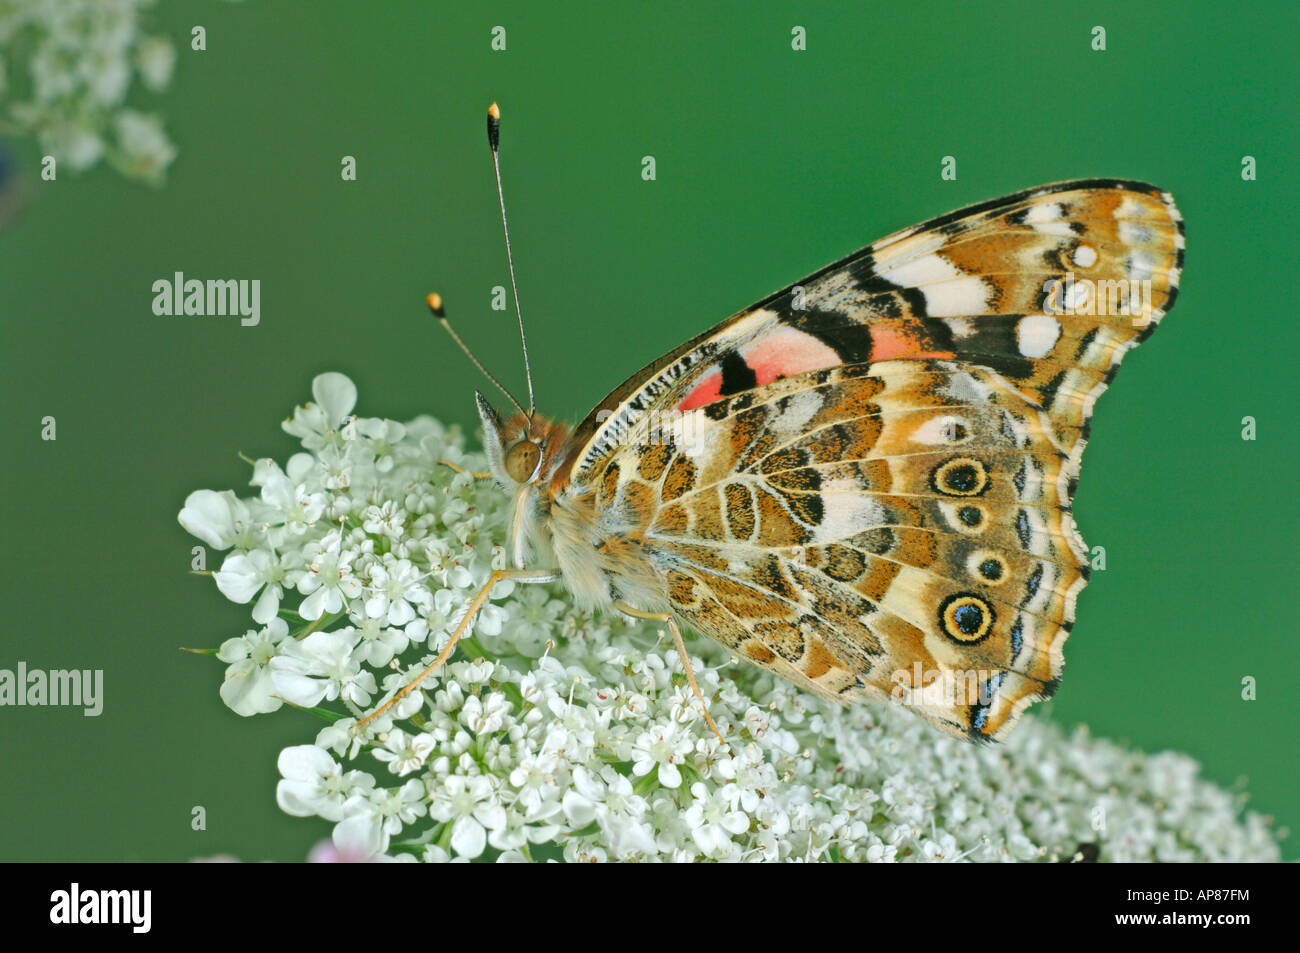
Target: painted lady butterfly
pixel 862 483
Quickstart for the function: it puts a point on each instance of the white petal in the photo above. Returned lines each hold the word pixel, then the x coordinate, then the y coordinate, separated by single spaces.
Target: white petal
pixel 299 689
pixel 248 690
pixel 300 466
pixel 299 798
pixel 207 515
pixel 238 579
pixel 491 816
pixel 669 776
pixel 587 784
pixel 305 762
pixel 277 491
pixel 336 394
pixel 578 810
pixel 361 832
pixel 468 837
pixel 314 604
pixel 234 650
pixel 489 620
pixel 268 606
pixel 400 613
pixel 407 707
pixel 735 822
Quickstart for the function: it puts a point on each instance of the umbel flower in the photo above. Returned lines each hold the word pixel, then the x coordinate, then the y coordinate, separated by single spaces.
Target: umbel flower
pixel 67 68
pixel 559 734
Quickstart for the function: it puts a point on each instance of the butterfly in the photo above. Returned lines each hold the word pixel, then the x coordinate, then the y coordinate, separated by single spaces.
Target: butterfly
pixel 862 483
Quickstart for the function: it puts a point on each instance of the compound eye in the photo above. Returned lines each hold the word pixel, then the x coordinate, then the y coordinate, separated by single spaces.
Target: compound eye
pixel 522 460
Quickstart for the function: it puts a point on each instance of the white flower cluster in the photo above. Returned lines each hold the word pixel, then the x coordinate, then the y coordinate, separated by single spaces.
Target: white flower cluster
pixel 66 68
pixel 558 734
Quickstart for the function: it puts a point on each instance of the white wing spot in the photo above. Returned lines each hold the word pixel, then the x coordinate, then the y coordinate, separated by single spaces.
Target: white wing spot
pixel 800 409
pixel 1130 208
pixel 960 327
pixel 847 514
pixel 1085 256
pixel 1037 334
pixel 965 388
pixel 1077 294
pixel 949 292
pixel 940 431
pixel 1141 266
pixel 1131 234
pixel 958 296
pixel 1047 212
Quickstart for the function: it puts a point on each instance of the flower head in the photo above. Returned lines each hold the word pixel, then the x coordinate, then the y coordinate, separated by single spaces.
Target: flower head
pixel 559 732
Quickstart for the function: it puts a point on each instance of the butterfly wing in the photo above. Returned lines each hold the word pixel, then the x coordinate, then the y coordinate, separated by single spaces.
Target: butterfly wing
pixel 1037 286
pixel 899 530
pixel 863 482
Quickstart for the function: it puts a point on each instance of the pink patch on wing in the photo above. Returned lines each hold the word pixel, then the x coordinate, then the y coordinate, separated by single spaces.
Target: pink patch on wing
pixel 705 392
pixel 890 342
pixel 786 353
pixel 783 353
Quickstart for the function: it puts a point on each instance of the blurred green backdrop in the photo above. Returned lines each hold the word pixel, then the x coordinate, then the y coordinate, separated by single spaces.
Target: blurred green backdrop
pixel 770 163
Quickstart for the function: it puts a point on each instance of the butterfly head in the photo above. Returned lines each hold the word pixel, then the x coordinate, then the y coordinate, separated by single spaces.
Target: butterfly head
pixel 522 450
pixel 524 453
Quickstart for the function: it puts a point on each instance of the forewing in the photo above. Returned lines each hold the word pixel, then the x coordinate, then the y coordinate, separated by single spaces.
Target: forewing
pixel 1048 288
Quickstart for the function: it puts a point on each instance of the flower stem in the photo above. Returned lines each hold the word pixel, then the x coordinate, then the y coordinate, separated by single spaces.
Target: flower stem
pixel 319 624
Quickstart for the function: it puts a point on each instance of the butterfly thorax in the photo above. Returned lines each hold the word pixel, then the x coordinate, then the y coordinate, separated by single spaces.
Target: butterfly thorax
pixel 557 523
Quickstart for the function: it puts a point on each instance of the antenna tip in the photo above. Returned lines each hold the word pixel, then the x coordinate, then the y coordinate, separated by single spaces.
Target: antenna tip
pixel 434 301
pixel 494 126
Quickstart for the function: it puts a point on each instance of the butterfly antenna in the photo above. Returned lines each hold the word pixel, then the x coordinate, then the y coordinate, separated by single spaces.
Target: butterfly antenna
pixel 435 305
pixel 494 140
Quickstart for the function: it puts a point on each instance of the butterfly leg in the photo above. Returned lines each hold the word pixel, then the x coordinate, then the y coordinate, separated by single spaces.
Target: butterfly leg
pixel 667 619
pixel 459 469
pixel 498 575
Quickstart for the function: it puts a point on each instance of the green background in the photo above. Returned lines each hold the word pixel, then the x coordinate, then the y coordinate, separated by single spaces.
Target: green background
pixel 770 163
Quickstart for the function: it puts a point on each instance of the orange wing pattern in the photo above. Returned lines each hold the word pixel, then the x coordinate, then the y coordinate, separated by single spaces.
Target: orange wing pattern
pixel 863 482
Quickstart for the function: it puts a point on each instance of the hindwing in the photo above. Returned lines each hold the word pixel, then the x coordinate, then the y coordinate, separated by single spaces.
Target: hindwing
pixel 868 531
